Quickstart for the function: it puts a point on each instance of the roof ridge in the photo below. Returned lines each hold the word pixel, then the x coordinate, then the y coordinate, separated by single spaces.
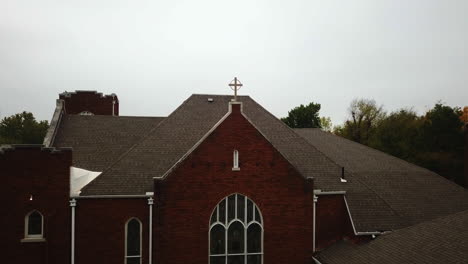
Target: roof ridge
pixel 134 145
pixel 299 136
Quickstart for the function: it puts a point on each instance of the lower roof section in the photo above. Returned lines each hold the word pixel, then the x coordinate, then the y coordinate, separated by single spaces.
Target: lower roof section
pixel 443 240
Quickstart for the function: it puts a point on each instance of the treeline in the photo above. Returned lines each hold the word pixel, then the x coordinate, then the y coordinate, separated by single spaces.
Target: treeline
pixel 433 140
pixel 22 128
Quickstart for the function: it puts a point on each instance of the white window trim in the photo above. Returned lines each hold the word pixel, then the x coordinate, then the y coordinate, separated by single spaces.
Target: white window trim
pixel 235 160
pixel 141 245
pixel 236 219
pixel 27 236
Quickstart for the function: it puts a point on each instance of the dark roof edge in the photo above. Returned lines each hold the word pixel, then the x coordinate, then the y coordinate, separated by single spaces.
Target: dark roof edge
pixel 69 94
pixel 54 124
pixel 12 147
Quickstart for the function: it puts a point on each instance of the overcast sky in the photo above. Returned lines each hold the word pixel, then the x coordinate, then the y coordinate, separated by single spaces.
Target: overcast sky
pixel 155 54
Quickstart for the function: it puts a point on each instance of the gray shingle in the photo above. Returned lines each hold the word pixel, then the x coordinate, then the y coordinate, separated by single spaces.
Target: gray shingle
pixel 413 193
pixel 443 240
pixel 383 192
pixel 98 140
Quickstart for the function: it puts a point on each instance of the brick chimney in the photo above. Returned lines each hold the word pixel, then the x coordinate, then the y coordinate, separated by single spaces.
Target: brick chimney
pixel 90 103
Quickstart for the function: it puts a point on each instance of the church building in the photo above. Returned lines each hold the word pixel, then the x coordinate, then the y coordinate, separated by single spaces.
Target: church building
pixel 220 180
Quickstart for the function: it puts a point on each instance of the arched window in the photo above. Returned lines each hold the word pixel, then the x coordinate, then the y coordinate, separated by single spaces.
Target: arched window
pixel 133 241
pixel 236 232
pixel 34 225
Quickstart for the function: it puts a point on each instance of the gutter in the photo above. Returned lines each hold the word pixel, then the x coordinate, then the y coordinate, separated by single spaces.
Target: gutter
pixel 116 196
pixel 314 208
pixel 72 242
pixel 320 192
pixel 316 260
pixel 150 230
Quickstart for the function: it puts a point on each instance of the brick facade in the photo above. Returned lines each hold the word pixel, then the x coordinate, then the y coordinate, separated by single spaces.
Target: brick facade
pixel 187 197
pixel 44 174
pixel 90 101
pixel 332 221
pixel 184 202
pixel 100 229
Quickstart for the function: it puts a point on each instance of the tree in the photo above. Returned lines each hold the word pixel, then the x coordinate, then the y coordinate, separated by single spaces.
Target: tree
pixel 398 134
pixel 326 123
pixel 304 116
pixel 364 115
pixel 22 128
pixel 441 148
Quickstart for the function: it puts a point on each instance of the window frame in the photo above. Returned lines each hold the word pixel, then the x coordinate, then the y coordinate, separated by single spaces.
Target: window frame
pixel 245 223
pixel 141 240
pixel 27 236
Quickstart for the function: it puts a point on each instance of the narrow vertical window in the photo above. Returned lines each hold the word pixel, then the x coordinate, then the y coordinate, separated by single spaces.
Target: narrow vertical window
pixel 235 162
pixel 133 241
pixel 34 225
pixel 236 239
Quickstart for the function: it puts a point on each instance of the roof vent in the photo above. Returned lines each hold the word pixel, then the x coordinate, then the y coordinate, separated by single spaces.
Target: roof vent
pixel 342 175
pixel 210 100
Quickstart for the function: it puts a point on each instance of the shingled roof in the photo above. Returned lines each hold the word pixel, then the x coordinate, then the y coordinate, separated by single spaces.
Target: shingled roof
pixel 383 192
pixel 413 193
pixel 167 143
pixel 98 140
pixel 442 240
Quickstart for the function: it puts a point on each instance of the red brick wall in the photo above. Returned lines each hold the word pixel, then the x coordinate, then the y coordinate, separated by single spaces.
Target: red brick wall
pixel 191 192
pixel 44 174
pixel 91 101
pixel 100 229
pixel 332 221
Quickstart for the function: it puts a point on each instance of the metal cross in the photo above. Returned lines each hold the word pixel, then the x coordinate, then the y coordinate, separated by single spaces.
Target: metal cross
pixel 235 85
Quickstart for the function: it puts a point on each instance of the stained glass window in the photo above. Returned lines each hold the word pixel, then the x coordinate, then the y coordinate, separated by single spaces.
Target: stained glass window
pixel 236 232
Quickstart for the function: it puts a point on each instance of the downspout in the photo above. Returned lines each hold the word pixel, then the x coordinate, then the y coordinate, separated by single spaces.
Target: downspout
pixel 150 241
pixel 113 106
pixel 72 255
pixel 314 221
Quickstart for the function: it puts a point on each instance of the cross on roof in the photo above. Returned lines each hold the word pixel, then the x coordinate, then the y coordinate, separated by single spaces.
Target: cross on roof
pixel 235 85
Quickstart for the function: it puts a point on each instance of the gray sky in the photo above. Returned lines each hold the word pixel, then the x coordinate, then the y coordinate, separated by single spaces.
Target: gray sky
pixel 154 54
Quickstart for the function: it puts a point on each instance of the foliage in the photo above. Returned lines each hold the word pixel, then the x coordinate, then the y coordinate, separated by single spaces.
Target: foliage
pixel 433 141
pixel 326 123
pixel 304 116
pixel 364 115
pixel 22 128
pixel 398 134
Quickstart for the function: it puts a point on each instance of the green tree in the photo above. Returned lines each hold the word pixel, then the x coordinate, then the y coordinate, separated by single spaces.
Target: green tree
pixel 441 144
pixel 326 123
pixel 364 115
pixel 304 116
pixel 22 128
pixel 398 134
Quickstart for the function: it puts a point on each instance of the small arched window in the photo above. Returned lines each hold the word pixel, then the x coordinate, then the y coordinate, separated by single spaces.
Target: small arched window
pixel 236 232
pixel 235 160
pixel 133 230
pixel 34 225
